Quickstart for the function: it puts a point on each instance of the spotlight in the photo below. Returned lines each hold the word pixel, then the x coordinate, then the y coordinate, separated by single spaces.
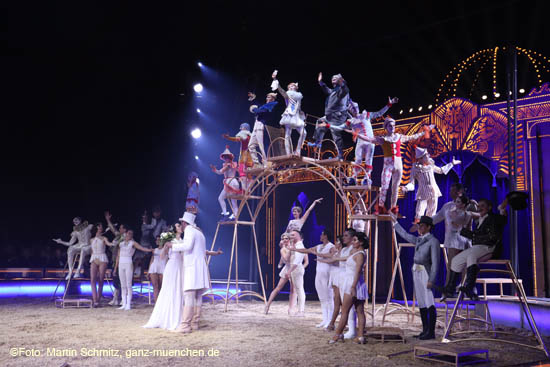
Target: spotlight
pixel 197 157
pixel 401 112
pixel 196 133
pixel 198 88
pixel 430 107
pixel 199 64
pixel 198 110
pixel 420 108
pixel 484 97
pixel 410 110
pixel 497 94
pixel 522 90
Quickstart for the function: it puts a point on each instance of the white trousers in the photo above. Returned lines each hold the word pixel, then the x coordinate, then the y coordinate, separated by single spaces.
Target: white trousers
pixel 363 152
pixel 82 249
pixel 426 207
pixel 257 141
pixel 298 279
pixel 193 298
pixel 470 257
pixel 322 286
pixel 424 296
pixel 221 200
pixel 288 140
pixel 126 275
pixel 393 170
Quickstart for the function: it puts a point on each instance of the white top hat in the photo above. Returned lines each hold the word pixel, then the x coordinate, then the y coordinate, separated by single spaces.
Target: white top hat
pixel 188 218
pixel 420 152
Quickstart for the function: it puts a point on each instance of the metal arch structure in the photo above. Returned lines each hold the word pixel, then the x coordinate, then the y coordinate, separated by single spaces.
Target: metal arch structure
pixel 258 185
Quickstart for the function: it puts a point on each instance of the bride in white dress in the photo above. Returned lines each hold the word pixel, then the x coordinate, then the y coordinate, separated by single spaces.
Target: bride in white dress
pixel 168 308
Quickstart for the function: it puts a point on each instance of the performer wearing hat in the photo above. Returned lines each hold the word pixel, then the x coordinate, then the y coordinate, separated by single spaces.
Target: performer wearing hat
pixel 257 138
pixel 243 137
pixel 193 195
pixel 231 184
pixel 293 117
pixel 486 240
pixel 195 271
pixel 428 192
pixel 393 165
pixel 336 105
pixel 425 268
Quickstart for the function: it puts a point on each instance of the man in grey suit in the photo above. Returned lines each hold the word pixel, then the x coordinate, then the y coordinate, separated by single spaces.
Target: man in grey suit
pixel 425 268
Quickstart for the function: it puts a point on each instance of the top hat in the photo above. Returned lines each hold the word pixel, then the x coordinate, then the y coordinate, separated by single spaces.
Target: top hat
pixel 188 218
pixel 426 220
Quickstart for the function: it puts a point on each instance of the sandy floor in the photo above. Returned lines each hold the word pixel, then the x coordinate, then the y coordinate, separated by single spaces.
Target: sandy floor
pixel 241 337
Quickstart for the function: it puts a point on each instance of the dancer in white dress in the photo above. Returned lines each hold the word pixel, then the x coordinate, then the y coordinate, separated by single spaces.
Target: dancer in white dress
pixel 98 263
pixel 353 287
pixel 297 223
pixel 293 118
pixel 156 269
pixel 231 183
pixel 169 305
pixel 126 268
pixel 284 275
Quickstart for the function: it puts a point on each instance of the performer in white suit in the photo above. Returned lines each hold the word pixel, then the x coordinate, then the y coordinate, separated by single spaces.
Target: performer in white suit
pixel 195 272
pixel 428 192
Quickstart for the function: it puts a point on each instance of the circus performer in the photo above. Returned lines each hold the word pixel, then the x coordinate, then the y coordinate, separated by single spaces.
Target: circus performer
pixel 360 123
pixel 193 194
pixel 284 275
pixel 156 268
pixel 78 244
pixel 98 263
pixel 428 192
pixel 195 272
pixel 393 165
pixel 299 263
pixel 231 183
pixel 336 105
pixel 298 222
pixel 293 118
pixel 243 137
pixel 119 237
pixel 257 138
pixel 126 267
pixel 168 306
pixel 425 268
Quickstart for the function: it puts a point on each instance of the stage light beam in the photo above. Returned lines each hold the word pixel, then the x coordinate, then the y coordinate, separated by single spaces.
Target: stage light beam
pixel 198 110
pixel 199 64
pixel 196 133
pixel 197 157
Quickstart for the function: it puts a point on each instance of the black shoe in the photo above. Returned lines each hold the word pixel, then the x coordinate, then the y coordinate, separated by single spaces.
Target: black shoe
pixel 432 320
pixel 470 282
pixel 424 317
pixel 351 182
pixel 449 289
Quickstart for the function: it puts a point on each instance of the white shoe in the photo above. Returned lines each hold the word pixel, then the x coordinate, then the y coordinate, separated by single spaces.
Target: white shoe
pixel 232 216
pixel 78 275
pixel 322 324
pixel 127 308
pixel 122 307
pixel 350 334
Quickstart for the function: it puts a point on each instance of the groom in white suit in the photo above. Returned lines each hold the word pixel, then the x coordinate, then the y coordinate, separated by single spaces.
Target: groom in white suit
pixel 195 272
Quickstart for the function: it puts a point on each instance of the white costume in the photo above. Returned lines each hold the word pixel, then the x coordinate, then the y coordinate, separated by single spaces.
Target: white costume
pixel 79 243
pixel 98 251
pixel 341 287
pixel 428 191
pixel 292 117
pixel 158 264
pixel 297 276
pixel 195 272
pixel 126 272
pixel 364 151
pixel 231 183
pixel 323 286
pixel 455 220
pixel 168 308
pixel 294 225
pixel 393 164
pixel 349 275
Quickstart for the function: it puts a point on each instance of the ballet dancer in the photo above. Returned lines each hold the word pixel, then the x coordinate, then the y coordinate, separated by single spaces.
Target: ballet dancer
pixel 298 222
pixel 119 237
pixel 98 263
pixel 126 267
pixel 299 263
pixel 284 275
pixel 156 268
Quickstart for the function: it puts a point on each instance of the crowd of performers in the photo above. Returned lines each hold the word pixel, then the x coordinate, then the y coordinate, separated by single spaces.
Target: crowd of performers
pixel 178 269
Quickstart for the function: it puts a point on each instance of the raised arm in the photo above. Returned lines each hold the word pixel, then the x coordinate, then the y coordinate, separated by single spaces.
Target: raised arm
pixel 373 140
pixel 391 101
pixel 308 211
pixel 139 247
pixel 425 133
pixel 404 234
pixel 440 215
pixel 219 171
pixel 231 138
pixel 71 242
pixel 106 241
pixel 446 168
pixel 110 224
pixel 324 87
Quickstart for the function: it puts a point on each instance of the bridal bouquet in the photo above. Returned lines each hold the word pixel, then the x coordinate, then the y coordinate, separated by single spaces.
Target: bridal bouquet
pixel 166 237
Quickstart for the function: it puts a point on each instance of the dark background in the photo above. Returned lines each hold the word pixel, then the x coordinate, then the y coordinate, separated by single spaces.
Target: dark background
pixel 99 101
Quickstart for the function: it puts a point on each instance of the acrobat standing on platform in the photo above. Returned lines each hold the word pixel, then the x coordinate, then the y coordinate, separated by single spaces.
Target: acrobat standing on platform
pixel 231 183
pixel 257 138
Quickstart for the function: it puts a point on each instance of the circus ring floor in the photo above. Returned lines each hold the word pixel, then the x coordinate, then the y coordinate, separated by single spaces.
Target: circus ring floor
pixel 244 336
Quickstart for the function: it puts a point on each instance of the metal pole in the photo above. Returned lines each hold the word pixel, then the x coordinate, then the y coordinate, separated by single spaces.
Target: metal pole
pixel 514 228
